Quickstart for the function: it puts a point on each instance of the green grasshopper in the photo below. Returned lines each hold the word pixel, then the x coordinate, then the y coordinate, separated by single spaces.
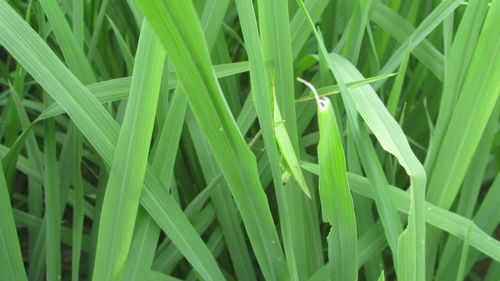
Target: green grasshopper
pixel 286 148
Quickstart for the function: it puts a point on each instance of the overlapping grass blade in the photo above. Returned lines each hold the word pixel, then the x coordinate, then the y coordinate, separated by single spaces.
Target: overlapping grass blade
pixel 117 89
pixel 371 243
pixel 367 154
pixel 459 58
pixel 102 132
pixel 468 196
pixel 299 28
pixel 411 257
pixel 402 30
pixel 224 206
pixel 426 26
pixel 468 120
pixel 442 100
pixel 127 55
pixel 452 223
pixel 179 30
pixel 142 248
pixel 392 139
pixel 470 115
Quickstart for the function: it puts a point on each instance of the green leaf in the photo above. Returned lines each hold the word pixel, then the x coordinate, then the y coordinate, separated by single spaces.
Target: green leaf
pixel 121 200
pixel 177 26
pixel 119 88
pixel 336 201
pixel 452 223
pixel 101 131
pixel 473 108
pixel 11 260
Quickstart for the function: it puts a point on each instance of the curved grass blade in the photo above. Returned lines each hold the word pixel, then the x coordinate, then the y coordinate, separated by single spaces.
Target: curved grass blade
pixel 393 140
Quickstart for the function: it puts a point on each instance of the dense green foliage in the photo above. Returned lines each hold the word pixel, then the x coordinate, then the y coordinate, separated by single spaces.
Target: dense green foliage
pixel 249 140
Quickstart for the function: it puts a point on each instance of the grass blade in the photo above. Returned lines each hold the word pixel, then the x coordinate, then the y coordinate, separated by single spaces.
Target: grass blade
pixel 117 89
pixel 452 223
pixel 11 260
pixel 78 205
pixel 52 190
pixel 470 115
pixel 336 201
pixel 235 160
pixel 101 131
pixel 123 190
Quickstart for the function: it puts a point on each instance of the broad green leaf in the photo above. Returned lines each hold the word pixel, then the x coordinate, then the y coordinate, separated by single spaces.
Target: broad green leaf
pixel 393 140
pixel 337 207
pixel 336 200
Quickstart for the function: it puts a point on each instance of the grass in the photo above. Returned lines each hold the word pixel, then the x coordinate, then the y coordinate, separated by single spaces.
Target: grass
pixel 171 140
